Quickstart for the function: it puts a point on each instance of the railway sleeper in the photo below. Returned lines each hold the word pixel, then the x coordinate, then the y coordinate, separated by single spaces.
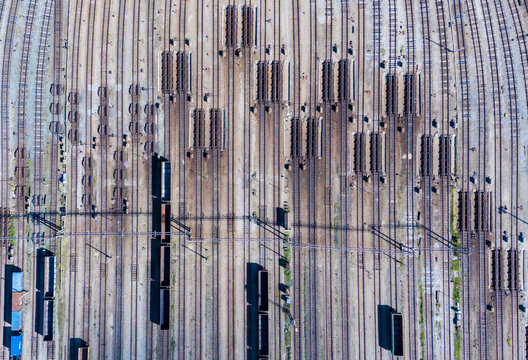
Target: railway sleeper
pixel 87 163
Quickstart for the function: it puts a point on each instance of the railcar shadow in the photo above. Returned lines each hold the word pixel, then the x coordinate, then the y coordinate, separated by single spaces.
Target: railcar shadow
pixel 384 326
pixel 155 281
pixel 75 344
pixel 8 288
pixel 252 310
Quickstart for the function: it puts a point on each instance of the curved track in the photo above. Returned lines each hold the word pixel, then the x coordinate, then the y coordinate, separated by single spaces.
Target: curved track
pixel 395 227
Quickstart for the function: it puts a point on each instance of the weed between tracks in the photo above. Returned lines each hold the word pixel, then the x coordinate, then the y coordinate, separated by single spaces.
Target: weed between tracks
pixel 455 265
pixel 287 281
pixel 458 341
pixel 456 288
pixel 336 218
pixel 455 268
pixel 422 319
pixel 455 235
pixel 11 231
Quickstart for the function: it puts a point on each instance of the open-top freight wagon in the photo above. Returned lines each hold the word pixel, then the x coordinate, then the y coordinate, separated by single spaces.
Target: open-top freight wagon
pixel 17 314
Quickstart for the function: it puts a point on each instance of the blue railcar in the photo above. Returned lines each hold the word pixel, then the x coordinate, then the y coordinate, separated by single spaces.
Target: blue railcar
pixel 15 352
pixel 17 314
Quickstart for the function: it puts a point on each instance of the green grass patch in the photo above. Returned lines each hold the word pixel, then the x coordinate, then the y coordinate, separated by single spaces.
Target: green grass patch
pixel 458 341
pixel 287 340
pixel 455 265
pixel 336 223
pixel 287 253
pixel 11 231
pixel 422 319
pixel 456 288
pixel 455 234
pixel 336 217
pixel 287 308
pixel 287 276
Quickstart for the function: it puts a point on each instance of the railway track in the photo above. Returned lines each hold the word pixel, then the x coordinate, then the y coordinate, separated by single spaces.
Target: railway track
pixel 268 97
pixel 482 128
pixel 248 19
pixel 296 107
pixel 262 99
pixel 88 174
pixel 465 117
pixel 4 93
pixel 73 140
pixel 393 285
pixel 38 198
pixel 103 132
pixel 328 144
pixel 135 92
pixel 150 113
pixel 359 198
pixel 497 116
pixel 445 166
pixel 276 97
pixel 427 345
pixel 198 148
pixel 344 101
pixel 512 107
pixel 383 294
pixel 56 126
pixel 411 277
pixel 216 181
pixel 181 95
pixel 523 52
pixel 231 44
pixel 5 249
pixel 313 242
pixel 312 342
pixel 120 190
pixel 21 152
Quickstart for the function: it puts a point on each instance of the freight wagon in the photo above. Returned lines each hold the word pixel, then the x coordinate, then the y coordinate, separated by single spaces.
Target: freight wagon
pixel 17 293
